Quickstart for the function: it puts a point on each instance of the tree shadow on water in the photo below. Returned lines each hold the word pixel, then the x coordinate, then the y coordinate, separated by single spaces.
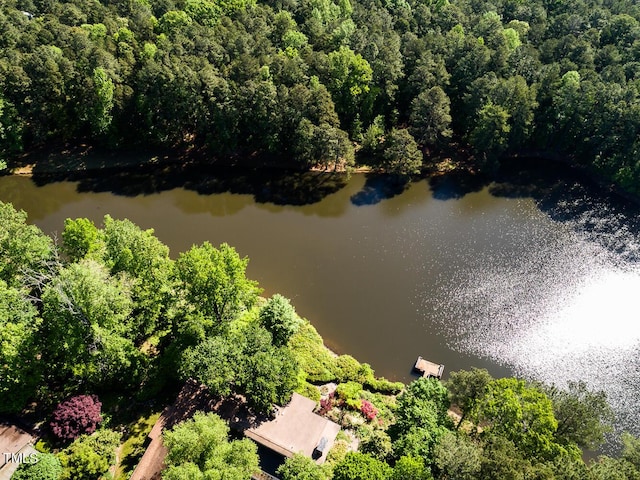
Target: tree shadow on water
pixel 457 184
pixel 278 186
pixel 575 199
pixel 378 187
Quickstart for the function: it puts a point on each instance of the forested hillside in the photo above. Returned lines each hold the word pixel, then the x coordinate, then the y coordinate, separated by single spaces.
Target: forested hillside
pixel 304 81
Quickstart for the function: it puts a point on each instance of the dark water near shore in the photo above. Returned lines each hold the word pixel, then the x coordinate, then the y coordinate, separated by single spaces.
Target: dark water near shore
pixel 522 275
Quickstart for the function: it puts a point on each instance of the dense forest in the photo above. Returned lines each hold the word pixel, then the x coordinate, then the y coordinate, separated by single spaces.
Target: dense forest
pixel 387 83
pixel 100 331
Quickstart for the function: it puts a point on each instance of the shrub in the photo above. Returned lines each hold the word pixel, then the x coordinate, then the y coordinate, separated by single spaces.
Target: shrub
pixel 310 391
pixel 313 357
pixel 326 404
pixel 76 416
pixel 368 410
pixel 45 467
pixel 383 385
pixel 349 393
pixel 89 456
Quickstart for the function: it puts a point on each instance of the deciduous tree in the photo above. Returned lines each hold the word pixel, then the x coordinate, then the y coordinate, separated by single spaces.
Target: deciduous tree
pixel 202 442
pixel 214 281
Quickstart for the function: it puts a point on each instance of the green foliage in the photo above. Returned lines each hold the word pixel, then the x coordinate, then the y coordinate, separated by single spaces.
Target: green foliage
pixel 301 467
pixel 270 377
pixel 145 259
pixel 90 456
pixel 79 238
pixel 46 467
pixel 457 456
pixel 311 354
pixel 100 118
pixel 213 362
pixel 490 135
pixel 214 282
pixel 522 414
pixel 430 116
pixel 421 418
pixel 466 388
pixel 583 416
pixel 199 448
pixel 87 334
pixel 378 445
pixel 411 468
pixel 349 393
pixel 20 370
pixel 400 153
pixel 279 317
pixel 23 248
pixel 360 466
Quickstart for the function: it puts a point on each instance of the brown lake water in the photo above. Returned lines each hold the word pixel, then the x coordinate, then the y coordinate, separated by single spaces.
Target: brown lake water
pixel 539 280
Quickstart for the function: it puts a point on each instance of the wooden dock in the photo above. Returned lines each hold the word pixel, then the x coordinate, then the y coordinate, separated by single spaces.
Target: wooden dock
pixel 429 369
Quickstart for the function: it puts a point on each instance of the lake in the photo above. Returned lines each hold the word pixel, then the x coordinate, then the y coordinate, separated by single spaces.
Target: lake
pixel 522 274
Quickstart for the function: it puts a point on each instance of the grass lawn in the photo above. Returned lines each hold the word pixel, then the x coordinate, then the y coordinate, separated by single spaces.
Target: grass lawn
pixel 133 447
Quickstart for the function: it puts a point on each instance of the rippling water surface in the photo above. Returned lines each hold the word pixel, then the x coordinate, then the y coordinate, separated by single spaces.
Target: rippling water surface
pixel 534 277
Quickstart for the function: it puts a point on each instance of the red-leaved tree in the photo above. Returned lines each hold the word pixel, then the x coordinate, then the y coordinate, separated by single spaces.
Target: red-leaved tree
pixel 75 416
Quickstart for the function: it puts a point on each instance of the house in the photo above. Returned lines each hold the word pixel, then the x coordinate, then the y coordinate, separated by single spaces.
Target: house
pixel 294 429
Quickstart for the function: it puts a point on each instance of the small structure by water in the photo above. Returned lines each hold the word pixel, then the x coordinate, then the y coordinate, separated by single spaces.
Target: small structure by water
pixel 429 369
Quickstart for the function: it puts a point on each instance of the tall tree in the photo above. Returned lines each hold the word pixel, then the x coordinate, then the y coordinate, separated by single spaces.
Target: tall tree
pixel 583 416
pixel 214 281
pixel 201 446
pixel 522 414
pixel 23 247
pixel 86 333
pixel 430 116
pixel 20 369
pixel 279 317
pixel 466 388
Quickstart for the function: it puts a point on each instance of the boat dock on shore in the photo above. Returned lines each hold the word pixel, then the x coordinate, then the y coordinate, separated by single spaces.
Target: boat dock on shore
pixel 428 369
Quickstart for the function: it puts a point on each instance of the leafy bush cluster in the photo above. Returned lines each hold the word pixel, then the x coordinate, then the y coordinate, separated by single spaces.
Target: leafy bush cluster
pixel 76 416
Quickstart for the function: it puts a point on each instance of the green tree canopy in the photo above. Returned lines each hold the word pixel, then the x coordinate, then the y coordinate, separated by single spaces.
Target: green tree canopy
pixel 361 466
pixel 466 388
pixel 45 467
pixel 301 467
pixel 522 414
pixel 86 328
pixel 22 247
pixel 20 369
pixel 583 416
pixel 400 153
pixel 214 281
pixel 279 317
pixel 89 456
pixel 202 442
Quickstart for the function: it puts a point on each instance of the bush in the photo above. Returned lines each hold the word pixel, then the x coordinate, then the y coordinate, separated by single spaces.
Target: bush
pixel 368 410
pixel 76 416
pixel 45 467
pixel 89 456
pixel 310 391
pixel 349 393
pixel 383 385
pixel 313 357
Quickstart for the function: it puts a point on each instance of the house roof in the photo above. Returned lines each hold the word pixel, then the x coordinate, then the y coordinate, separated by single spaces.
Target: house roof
pixel 296 429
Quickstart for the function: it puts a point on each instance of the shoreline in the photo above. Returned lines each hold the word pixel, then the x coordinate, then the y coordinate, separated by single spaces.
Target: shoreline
pixel 75 163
